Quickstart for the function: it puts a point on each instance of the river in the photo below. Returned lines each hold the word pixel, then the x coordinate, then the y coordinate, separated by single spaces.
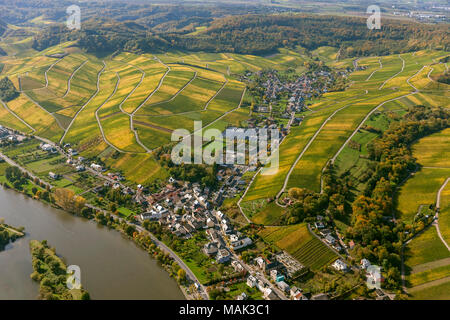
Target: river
pixel 112 267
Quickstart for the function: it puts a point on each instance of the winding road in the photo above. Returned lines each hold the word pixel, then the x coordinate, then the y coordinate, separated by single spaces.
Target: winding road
pixel 438 207
pixel 71 77
pixel 333 159
pixel 87 102
pixel 381 67
pixel 403 67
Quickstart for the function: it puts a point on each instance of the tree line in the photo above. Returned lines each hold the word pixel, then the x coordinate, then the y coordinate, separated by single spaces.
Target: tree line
pixel 255 34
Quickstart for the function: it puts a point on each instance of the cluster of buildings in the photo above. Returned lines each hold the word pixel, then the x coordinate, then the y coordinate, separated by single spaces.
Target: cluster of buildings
pixel 184 209
pixel 78 163
pixel 48 148
pixel 327 235
pixel 9 136
pixel 422 16
pixel 279 269
pixel 267 292
pixel 306 86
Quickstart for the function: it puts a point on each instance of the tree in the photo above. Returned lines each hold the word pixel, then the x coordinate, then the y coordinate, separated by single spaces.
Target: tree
pixel 181 275
pixel 67 200
pixel 129 230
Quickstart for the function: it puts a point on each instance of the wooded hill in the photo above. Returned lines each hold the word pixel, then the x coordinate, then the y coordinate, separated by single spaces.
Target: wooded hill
pixel 257 34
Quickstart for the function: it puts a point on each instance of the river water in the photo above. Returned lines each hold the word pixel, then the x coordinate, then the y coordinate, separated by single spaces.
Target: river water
pixel 112 267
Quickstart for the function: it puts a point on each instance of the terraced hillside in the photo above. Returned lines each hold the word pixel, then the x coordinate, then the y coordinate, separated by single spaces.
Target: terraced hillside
pixel 427 257
pixel 122 107
pixel 379 85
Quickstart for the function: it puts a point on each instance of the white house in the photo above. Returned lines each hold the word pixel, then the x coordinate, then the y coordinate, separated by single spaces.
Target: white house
pixel 53 175
pixel 242 296
pixel 251 281
pixel 96 167
pixel 209 223
pixel 365 264
pixel 339 265
pixel 283 286
pixel 46 147
pixel 269 294
pixel 236 245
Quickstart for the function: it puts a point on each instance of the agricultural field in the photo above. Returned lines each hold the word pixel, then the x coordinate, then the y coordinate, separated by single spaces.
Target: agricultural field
pixel 298 241
pixel 434 150
pixel 382 85
pixel 132 103
pixel 427 265
pixel 427 258
pixel 127 103
pixel 444 214
pixel 432 154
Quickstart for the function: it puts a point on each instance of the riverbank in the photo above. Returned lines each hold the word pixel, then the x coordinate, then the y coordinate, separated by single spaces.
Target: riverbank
pixel 112 267
pixel 29 188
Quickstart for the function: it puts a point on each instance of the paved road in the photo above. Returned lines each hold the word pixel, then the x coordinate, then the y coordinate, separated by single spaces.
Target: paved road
pixel 245 192
pixel 144 102
pixel 438 206
pixel 381 67
pixel 403 67
pixel 16 116
pixel 215 95
pixel 286 180
pixel 71 77
pixel 223 115
pixel 180 262
pixel 98 118
pixel 24 170
pixel 435 223
pixel 141 229
pixel 373 110
pixel 50 68
pixel 134 89
pixel 178 92
pixel 45 110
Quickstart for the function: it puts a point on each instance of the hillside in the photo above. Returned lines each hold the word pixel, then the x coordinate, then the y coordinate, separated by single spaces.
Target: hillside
pixel 256 34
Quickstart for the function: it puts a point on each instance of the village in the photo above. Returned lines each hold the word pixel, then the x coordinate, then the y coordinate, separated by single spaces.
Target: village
pixel 270 87
pixel 184 209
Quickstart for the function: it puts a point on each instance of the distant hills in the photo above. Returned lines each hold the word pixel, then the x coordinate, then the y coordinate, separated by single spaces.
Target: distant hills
pixel 256 34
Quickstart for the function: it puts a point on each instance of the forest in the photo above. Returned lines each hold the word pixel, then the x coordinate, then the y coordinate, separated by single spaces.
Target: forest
pixel 7 90
pixel 256 34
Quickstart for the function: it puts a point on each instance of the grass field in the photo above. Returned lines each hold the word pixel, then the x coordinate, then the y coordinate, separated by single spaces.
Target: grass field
pixel 438 292
pixel 301 244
